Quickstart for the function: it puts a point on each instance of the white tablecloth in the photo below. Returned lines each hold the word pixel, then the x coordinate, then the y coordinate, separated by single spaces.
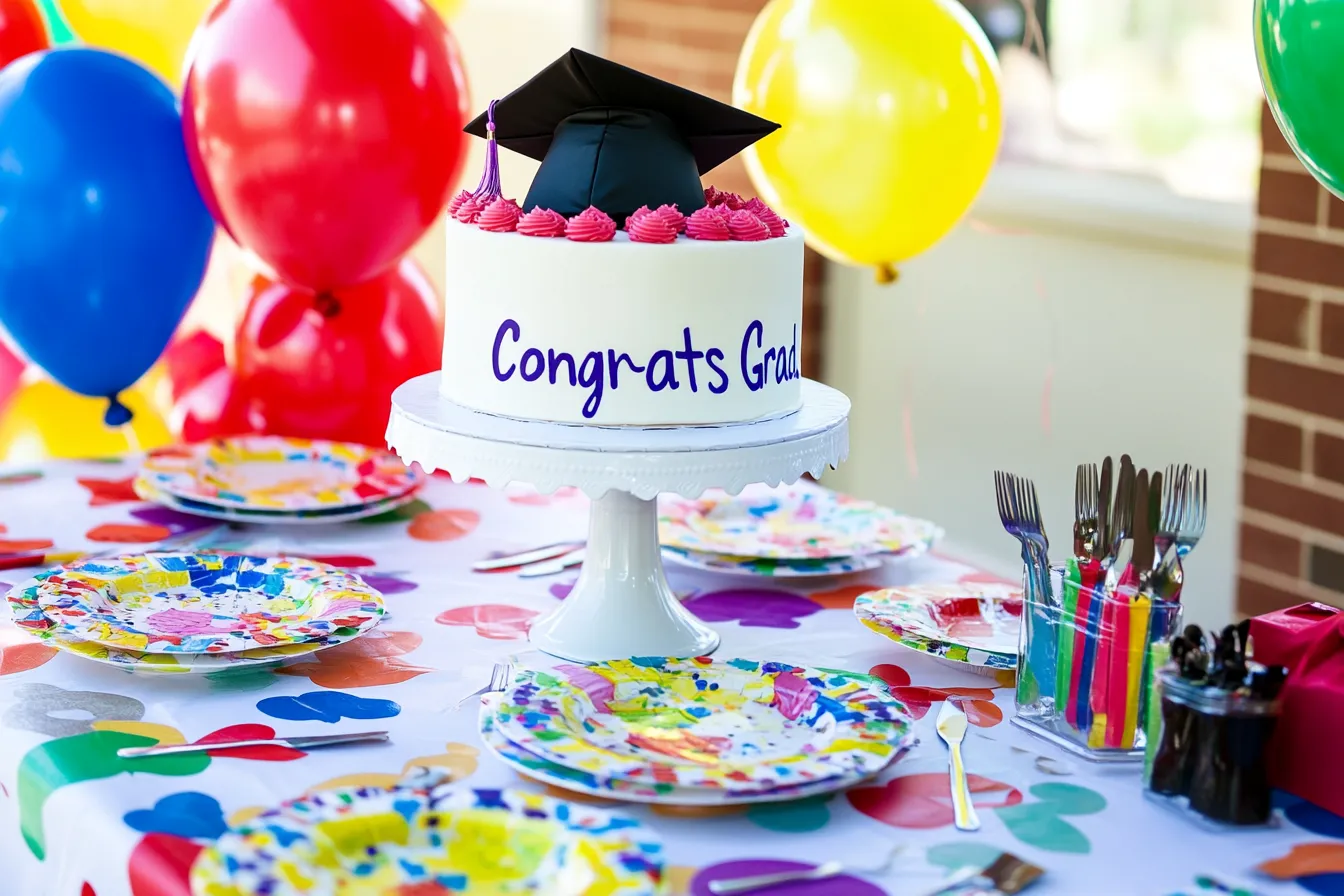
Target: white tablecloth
pixel 76 822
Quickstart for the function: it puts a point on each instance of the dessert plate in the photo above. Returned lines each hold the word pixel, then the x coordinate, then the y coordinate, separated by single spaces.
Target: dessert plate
pixel 976 624
pixel 776 569
pixel 275 473
pixel 326 516
pixel 432 838
pixel 529 765
pixel 27 615
pixel 700 723
pixel 789 524
pixel 195 603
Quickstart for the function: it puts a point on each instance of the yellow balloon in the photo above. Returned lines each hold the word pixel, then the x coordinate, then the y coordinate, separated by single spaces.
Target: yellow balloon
pixel 447 8
pixel 155 33
pixel 890 120
pixel 44 420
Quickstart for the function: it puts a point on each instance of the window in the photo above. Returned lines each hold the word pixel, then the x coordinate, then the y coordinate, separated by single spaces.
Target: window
pixel 1167 88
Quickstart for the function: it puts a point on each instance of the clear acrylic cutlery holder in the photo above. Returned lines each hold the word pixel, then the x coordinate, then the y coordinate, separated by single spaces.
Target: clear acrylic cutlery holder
pixel 1084 668
pixel 1210 753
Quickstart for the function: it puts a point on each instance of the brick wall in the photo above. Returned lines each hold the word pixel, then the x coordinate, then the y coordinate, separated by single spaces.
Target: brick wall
pixel 695 43
pixel 1292 514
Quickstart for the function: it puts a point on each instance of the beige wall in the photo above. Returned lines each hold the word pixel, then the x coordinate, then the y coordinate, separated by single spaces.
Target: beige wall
pixel 1055 329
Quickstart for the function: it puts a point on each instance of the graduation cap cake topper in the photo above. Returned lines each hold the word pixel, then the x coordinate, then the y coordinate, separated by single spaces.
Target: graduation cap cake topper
pixel 612 137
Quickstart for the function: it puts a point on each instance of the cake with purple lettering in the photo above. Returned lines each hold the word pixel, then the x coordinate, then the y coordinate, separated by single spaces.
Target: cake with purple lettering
pixel 620 292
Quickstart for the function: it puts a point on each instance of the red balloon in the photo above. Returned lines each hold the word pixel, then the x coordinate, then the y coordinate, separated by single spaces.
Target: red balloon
pixel 190 359
pixel 324 367
pixel 325 140
pixel 22 30
pixel 214 407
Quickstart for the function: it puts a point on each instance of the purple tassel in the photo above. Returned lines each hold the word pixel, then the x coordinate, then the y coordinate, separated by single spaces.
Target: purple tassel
pixel 489 189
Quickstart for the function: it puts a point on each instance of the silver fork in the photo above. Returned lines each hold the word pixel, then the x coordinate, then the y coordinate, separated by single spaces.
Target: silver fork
pixel 1030 515
pixel 500 676
pixel 1195 512
pixel 1012 512
pixel 1020 514
pixel 1085 510
pixel 1173 501
pixel 1005 495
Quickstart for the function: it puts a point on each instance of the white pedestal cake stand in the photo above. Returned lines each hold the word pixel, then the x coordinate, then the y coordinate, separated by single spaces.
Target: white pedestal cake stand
pixel 621 605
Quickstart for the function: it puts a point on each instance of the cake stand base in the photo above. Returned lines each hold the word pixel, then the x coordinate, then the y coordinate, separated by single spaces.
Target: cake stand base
pixel 621 605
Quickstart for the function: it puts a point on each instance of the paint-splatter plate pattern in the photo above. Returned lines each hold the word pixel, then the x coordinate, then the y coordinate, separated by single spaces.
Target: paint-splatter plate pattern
pixel 432 838
pixel 789 524
pixel 699 723
pixel 198 603
pixel 275 473
pixel 975 624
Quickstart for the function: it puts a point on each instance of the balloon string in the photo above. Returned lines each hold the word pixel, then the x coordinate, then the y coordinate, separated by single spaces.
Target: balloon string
pixel 489 188
pixel 132 440
pixel 1033 35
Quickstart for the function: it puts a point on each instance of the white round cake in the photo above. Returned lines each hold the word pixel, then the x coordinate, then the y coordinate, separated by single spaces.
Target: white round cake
pixel 623 333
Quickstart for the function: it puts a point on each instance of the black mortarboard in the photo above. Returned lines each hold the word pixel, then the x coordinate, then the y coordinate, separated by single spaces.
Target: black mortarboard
pixel 616 138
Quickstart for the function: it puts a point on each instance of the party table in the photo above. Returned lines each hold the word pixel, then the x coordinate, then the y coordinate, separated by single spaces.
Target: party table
pixel 78 821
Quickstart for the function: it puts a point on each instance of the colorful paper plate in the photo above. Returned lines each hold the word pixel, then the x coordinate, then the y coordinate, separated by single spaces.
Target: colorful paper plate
pixel 975 624
pixel 28 616
pixel 432 838
pixel 777 569
pixel 193 603
pixel 699 723
pixel 789 524
pixel 274 473
pixel 145 490
pixel 534 767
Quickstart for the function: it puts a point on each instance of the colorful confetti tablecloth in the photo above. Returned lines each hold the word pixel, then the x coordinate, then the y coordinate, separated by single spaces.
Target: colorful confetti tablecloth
pixel 78 821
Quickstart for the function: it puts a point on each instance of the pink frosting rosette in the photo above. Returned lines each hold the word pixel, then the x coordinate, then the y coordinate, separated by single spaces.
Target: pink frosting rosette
pixel 457 201
pixel 673 216
pixel 469 211
pixel 746 227
pixel 542 222
pixel 707 224
pixel 636 215
pixel 654 227
pixel 500 216
pixel 733 201
pixel 591 226
pixel 769 218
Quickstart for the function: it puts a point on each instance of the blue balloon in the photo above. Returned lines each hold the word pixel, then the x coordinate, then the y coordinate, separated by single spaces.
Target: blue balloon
pixel 104 237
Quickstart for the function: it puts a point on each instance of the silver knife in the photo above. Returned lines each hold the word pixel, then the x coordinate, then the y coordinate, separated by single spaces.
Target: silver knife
pixel 1143 532
pixel 552 567
pixel 307 742
pixel 536 555
pixel 1154 513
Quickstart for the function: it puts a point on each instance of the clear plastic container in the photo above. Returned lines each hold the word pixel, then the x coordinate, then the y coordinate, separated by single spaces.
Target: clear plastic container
pixel 1084 669
pixel 1211 758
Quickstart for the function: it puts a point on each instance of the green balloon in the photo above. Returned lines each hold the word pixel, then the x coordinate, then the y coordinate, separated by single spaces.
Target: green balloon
pixel 1300 47
pixel 56 24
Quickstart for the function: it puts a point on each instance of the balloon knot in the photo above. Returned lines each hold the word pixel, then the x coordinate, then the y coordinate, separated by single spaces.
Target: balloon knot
pixel 887 273
pixel 327 304
pixel 117 414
